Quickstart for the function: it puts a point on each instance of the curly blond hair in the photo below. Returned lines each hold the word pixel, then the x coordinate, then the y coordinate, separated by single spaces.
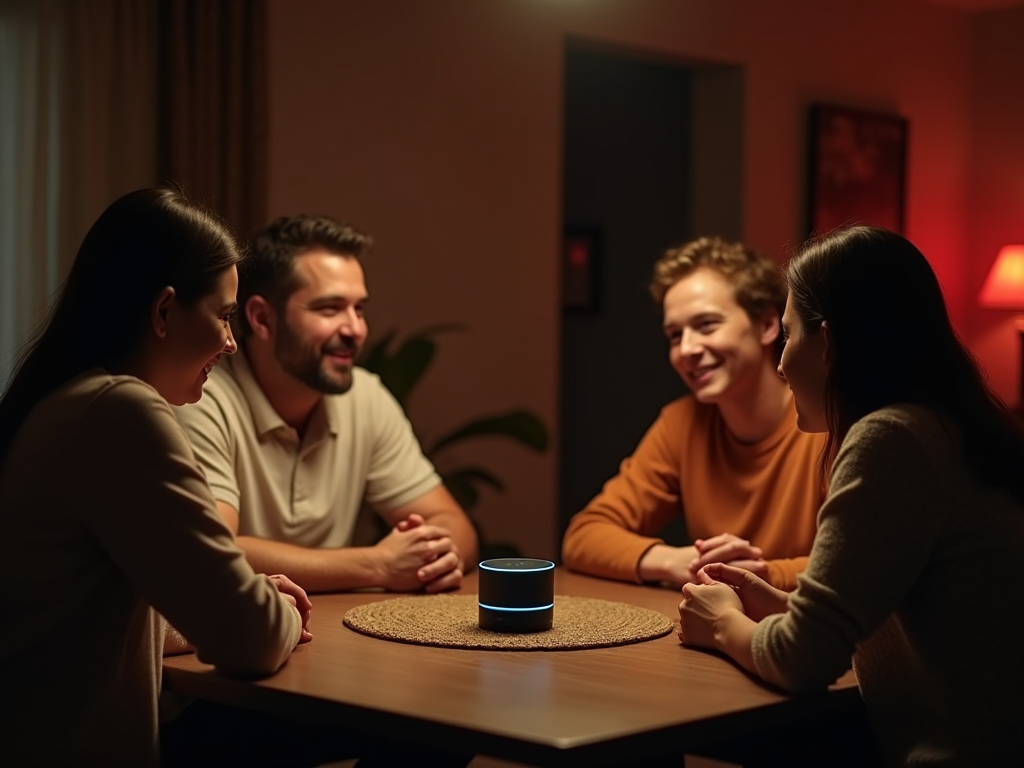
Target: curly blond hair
pixel 756 280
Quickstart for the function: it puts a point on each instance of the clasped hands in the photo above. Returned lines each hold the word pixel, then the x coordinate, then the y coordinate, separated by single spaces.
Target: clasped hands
pixel 727 548
pixel 676 566
pixel 416 555
pixel 722 588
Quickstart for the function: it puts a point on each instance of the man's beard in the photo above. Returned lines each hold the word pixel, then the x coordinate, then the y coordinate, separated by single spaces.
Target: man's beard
pixel 305 362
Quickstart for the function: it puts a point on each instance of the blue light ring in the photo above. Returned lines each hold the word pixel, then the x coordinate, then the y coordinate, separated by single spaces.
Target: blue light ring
pixel 517 610
pixel 484 567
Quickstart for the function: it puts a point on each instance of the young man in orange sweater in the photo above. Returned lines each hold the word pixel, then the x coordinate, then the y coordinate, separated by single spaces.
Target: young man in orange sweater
pixel 728 457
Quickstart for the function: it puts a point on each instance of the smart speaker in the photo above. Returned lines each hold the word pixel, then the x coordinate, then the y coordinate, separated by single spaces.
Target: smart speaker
pixel 517 594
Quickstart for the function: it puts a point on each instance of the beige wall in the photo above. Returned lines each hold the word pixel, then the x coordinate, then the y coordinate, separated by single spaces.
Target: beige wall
pixel 436 126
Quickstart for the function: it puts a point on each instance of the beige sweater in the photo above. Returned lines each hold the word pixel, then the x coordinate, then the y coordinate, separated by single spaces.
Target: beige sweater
pixel 107 517
pixel 914 573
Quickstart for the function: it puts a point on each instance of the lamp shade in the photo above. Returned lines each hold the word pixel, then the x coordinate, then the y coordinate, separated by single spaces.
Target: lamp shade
pixel 1004 286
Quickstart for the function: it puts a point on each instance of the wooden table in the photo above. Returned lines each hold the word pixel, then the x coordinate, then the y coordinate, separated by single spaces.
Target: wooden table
pixel 586 707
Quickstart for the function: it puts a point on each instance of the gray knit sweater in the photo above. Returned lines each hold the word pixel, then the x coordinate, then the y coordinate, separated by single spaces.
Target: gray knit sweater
pixel 914 574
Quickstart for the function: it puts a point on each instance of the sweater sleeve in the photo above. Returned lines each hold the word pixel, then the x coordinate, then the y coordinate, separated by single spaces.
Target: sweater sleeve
pixel 610 536
pixel 158 522
pixel 876 532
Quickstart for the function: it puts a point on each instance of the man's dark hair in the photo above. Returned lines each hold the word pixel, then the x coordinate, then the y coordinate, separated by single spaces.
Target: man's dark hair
pixel 269 269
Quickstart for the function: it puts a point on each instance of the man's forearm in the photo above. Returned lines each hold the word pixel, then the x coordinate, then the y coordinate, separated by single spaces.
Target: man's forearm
pixel 315 570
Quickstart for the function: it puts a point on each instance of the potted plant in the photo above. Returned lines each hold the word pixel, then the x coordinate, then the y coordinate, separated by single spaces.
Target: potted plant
pixel 401 364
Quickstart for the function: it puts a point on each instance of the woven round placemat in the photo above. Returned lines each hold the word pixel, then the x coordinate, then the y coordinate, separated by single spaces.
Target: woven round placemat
pixel 451 621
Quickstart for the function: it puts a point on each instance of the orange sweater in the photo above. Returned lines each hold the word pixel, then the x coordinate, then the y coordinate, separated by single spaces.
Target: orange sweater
pixel 689 463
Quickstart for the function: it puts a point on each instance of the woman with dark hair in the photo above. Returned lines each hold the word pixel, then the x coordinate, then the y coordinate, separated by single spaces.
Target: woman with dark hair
pixel 109 525
pixel 912 568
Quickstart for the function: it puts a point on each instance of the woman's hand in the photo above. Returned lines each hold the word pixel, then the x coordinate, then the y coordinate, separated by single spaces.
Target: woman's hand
pixel 703 605
pixel 295 595
pixel 759 598
pixel 722 611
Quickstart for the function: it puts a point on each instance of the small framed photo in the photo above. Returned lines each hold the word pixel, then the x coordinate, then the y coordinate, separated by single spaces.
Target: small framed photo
pixel 857 168
pixel 581 265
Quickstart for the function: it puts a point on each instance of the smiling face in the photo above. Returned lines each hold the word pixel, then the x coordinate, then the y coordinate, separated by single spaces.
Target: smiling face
pixel 713 344
pixel 197 335
pixel 323 326
pixel 803 366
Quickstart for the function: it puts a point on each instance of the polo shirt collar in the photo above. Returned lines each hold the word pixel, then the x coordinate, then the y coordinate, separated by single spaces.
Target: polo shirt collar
pixel 265 419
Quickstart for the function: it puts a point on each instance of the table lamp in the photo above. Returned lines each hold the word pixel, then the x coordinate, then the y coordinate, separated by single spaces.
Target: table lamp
pixel 1004 289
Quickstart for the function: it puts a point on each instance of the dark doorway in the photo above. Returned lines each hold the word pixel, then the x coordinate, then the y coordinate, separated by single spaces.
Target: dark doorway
pixel 633 128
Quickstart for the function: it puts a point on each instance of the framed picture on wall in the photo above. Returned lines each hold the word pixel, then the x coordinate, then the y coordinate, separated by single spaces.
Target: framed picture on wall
pixel 857 168
pixel 581 261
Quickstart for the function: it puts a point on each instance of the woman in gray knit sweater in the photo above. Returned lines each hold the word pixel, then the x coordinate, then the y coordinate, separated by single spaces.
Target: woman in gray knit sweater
pixel 912 570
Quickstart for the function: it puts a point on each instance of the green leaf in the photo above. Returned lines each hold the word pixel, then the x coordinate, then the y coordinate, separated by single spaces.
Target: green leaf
pixel 375 356
pixel 475 475
pixel 463 491
pixel 520 425
pixel 433 330
pixel 463 485
pixel 404 369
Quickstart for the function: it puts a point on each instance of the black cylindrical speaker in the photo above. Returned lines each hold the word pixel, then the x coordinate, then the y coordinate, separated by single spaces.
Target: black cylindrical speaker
pixel 517 594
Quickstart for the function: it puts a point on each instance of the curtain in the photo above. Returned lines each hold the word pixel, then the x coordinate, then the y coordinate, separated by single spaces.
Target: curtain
pixel 213 105
pixel 28 63
pixel 100 97
pixel 108 131
pixel 77 117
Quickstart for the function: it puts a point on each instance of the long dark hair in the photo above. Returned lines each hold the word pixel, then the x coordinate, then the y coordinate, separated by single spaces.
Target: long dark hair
pixel 891 341
pixel 143 242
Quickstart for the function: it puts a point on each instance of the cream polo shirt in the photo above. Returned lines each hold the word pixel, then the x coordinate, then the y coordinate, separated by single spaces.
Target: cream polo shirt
pixel 358 446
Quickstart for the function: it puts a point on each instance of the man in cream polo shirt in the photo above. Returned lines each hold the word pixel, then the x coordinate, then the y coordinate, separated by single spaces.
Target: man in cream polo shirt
pixel 293 438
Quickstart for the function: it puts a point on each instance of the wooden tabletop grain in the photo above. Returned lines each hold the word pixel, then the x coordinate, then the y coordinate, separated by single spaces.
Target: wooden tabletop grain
pixel 550 708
